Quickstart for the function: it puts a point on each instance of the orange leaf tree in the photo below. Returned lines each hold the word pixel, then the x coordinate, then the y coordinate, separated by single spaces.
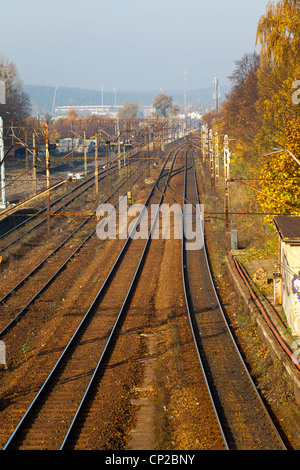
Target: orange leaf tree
pixel 280 177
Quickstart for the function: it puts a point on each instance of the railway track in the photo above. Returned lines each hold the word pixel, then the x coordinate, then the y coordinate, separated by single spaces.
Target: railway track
pixel 57 415
pixel 19 221
pixel 30 288
pixel 243 418
pixel 75 192
pixel 54 415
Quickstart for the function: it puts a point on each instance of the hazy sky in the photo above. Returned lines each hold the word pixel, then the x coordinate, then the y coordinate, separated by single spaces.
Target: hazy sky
pixel 127 44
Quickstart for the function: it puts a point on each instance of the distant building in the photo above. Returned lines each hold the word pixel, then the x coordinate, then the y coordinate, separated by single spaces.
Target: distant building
pixel 77 145
pixel 194 115
pixel 288 228
pixel 98 110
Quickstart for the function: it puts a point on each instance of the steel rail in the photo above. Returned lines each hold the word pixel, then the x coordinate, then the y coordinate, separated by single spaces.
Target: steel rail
pixel 89 217
pixel 184 275
pixel 91 178
pixel 188 306
pixel 57 272
pixel 113 167
pixel 107 281
pixel 121 312
pixel 185 168
pixel 55 212
pixel 41 211
pixel 263 407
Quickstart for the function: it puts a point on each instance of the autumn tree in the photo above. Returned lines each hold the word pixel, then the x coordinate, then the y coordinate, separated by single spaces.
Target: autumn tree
pixel 210 118
pixel 174 110
pixel 163 105
pixel 280 176
pixel 72 115
pixel 17 107
pixel 90 124
pixel 129 111
pixel 278 33
pixel 238 111
pixel 237 115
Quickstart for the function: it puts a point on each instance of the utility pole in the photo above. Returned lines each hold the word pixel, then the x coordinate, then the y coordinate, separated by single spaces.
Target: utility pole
pixel 216 94
pixel 205 141
pixel 72 144
pixel 34 164
pixel 124 149
pixel 226 177
pixel 119 145
pixel 53 103
pixel 217 159
pixel 211 158
pixel 3 194
pixel 202 137
pixel 109 157
pixel 26 151
pixel 84 152
pixel 108 164
pixel 96 164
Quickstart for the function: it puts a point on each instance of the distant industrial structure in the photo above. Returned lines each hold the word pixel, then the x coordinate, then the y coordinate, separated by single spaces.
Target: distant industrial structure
pixel 217 94
pixel 100 110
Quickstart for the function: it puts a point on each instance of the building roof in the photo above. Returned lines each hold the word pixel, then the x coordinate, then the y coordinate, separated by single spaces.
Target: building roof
pixel 288 228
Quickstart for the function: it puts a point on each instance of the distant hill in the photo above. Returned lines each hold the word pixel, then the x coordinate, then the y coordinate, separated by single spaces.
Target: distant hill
pixel 42 97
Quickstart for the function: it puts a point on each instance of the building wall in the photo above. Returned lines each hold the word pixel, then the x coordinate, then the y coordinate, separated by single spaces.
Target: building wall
pixel 290 257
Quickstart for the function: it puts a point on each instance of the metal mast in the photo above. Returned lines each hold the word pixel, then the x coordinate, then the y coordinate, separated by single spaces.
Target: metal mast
pixel 217 93
pixel 185 74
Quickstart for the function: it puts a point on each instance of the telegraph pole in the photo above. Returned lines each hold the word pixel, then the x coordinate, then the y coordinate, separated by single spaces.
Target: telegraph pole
pixel 217 159
pixel 96 164
pixel 124 148
pixel 119 145
pixel 47 175
pixel 205 142
pixel 34 164
pixel 84 150
pixel 3 194
pixel 211 158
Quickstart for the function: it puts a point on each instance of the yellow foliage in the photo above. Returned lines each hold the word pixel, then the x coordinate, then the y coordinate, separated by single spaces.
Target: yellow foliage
pixel 278 32
pixel 280 176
